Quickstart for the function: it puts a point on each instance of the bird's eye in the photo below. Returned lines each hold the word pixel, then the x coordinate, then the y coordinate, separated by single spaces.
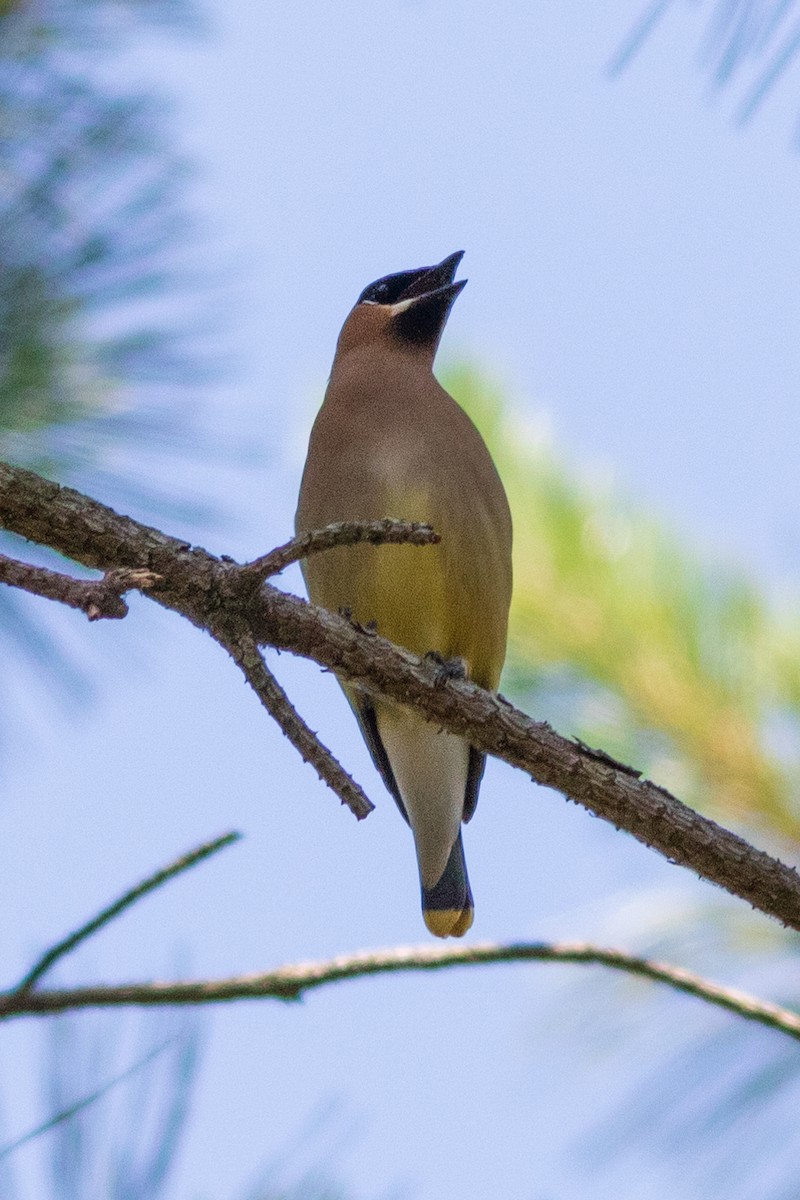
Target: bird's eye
pixel 386 290
pixel 378 293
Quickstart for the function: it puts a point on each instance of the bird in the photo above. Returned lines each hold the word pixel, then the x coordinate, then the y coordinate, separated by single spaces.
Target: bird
pixel 389 441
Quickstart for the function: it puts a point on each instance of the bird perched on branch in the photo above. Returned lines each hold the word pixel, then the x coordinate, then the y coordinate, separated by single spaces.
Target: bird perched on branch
pixel 390 442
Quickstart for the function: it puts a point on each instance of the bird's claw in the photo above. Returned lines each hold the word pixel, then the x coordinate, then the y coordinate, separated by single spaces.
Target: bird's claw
pixel 446 668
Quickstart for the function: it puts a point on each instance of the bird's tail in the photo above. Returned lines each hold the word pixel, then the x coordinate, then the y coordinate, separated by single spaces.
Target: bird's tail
pixel 447 907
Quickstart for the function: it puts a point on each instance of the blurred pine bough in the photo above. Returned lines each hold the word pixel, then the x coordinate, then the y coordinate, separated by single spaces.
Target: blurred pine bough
pixel 746 47
pixel 91 207
pixel 100 335
pixel 622 636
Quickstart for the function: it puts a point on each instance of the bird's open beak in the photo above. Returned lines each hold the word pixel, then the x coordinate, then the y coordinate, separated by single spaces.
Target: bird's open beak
pixel 421 312
pixel 431 279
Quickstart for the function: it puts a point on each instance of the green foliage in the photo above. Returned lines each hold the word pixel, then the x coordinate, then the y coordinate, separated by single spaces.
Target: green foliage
pixel 622 636
pixel 625 637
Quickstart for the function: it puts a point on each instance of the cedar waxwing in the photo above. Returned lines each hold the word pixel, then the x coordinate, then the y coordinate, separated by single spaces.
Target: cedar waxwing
pixel 390 442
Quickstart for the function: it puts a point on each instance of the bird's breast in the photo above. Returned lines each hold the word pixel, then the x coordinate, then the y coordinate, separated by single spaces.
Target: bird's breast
pixel 414 458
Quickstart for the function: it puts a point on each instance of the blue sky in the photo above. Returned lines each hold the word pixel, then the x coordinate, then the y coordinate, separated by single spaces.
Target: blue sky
pixel 633 281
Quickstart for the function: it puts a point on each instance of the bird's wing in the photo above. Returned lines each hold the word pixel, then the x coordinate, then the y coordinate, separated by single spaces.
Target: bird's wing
pixel 477 762
pixel 365 712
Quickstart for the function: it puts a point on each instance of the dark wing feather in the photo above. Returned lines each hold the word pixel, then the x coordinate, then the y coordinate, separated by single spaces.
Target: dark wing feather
pixel 369 729
pixel 477 761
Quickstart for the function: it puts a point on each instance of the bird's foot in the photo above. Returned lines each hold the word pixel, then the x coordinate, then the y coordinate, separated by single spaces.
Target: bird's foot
pixel 447 668
pixel 370 627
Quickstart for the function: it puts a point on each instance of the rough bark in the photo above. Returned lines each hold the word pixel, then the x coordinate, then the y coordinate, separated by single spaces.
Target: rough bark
pixel 229 602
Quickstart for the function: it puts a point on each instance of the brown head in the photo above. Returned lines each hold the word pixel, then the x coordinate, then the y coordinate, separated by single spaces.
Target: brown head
pixel 405 311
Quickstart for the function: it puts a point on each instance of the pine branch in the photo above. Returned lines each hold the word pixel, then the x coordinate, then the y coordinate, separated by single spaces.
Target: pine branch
pixel 246 654
pixel 292 982
pixel 342 533
pixel 218 596
pixel 98 598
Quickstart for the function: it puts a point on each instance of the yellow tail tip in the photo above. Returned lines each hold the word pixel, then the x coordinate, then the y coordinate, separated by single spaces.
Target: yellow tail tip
pixel 448 922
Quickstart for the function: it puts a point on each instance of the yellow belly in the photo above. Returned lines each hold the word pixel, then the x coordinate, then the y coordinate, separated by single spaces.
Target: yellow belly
pixel 416 596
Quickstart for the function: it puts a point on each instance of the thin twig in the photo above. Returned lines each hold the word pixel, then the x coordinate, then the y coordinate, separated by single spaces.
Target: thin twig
pixel 184 863
pixel 341 533
pixel 290 982
pixel 66 1114
pixel 246 654
pixel 98 598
